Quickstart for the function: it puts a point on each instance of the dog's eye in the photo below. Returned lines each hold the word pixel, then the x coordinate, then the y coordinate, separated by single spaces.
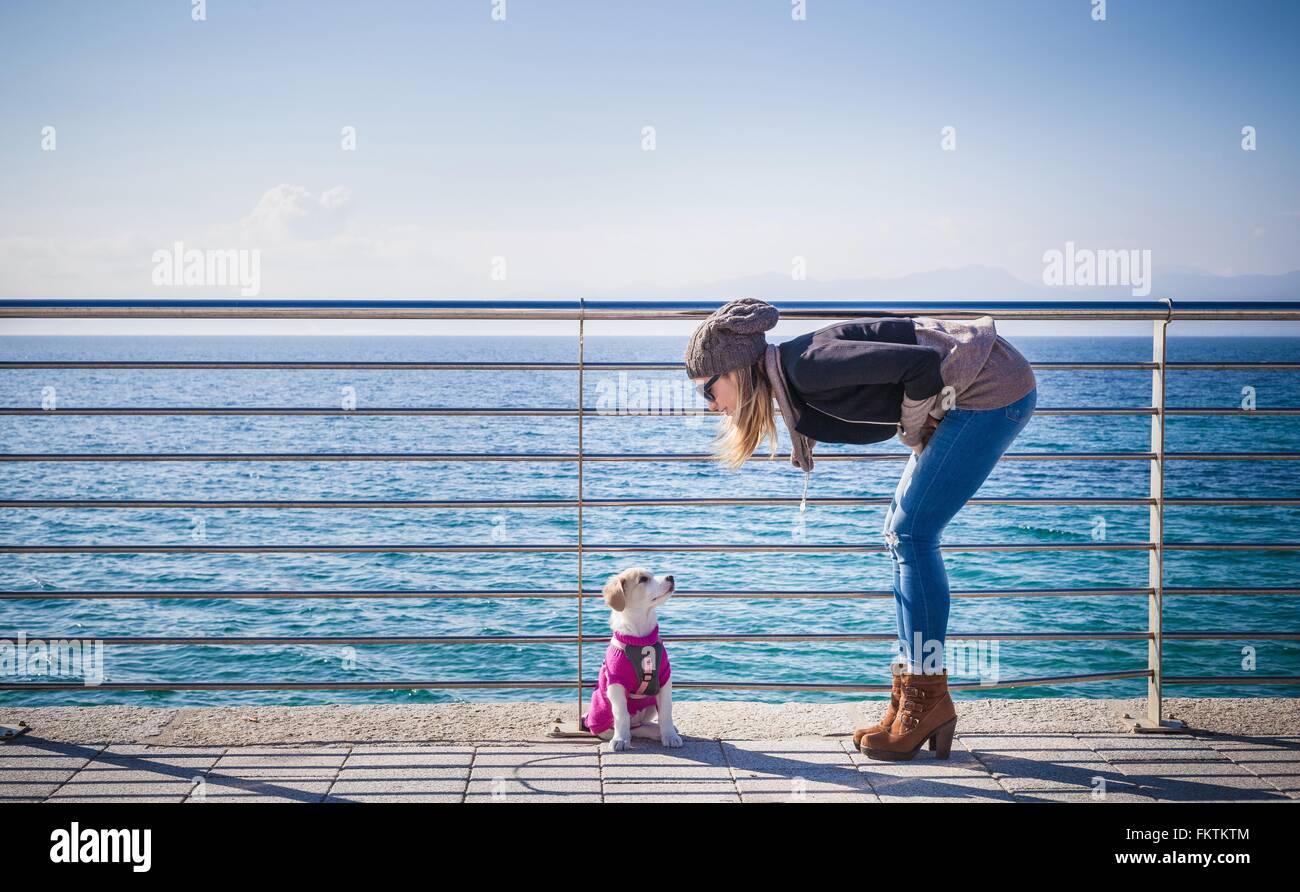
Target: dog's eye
pixel 645 578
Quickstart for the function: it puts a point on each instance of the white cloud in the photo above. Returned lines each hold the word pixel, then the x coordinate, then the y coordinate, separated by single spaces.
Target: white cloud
pixel 290 213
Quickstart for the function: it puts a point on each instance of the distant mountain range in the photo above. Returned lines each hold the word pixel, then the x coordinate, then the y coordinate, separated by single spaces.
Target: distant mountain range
pixel 973 283
pixel 990 283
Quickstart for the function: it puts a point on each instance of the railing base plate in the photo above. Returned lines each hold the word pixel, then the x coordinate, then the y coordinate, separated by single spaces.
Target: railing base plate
pixel 569 729
pixel 8 732
pixel 1144 725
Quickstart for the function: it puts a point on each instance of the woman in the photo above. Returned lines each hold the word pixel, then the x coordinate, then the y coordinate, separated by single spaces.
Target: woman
pixel 955 392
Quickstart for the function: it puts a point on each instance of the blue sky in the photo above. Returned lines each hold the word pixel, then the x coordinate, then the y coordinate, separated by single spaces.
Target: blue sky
pixel 523 139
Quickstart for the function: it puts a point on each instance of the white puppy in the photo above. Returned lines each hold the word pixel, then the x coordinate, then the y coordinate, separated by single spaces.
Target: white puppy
pixel 634 685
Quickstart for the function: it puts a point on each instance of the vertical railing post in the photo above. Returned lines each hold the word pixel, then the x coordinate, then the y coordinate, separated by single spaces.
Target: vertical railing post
pixel 574 728
pixel 1153 719
pixel 581 366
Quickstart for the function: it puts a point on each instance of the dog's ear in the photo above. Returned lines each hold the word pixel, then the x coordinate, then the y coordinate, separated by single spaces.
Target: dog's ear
pixel 613 593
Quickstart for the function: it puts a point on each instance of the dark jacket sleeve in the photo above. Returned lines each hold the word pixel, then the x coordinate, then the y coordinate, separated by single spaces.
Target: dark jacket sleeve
pixel 830 364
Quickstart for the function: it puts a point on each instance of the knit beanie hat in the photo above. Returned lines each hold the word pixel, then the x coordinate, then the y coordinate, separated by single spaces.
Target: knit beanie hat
pixel 731 337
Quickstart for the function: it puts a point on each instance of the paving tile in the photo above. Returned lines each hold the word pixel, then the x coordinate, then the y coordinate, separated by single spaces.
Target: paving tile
pixel 1031 766
pixel 939 788
pixel 1079 796
pixel 1155 782
pixel 272 774
pixel 75 772
pixel 797 770
pixel 403 773
pixel 544 789
pixel 47 754
pixel 545 775
pixel 1255 749
pixel 683 791
pixel 768 756
pixel 35 791
pixel 416 755
pixel 412 792
pixel 150 763
pixel 539 797
pixel 1148 745
pixel 695 760
pixel 547 747
pixel 540 759
pixel 293 758
pixel 535 774
pixel 154 751
pixel 839 785
pixel 811 797
pixel 1176 768
pixel 31 771
pixel 1275 760
pixel 231 789
pixel 959 778
pixel 121 793
pixel 377 772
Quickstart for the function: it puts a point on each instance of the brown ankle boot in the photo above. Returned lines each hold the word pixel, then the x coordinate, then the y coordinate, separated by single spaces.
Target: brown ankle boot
pixel 926 712
pixel 890 711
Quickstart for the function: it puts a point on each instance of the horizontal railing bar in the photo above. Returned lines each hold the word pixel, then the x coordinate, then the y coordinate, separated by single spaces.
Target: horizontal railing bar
pixel 1229 679
pixel 401 365
pixel 600 548
pixel 682 685
pixel 756 501
pixel 388 365
pixel 557 412
pixel 291 411
pixel 611 548
pixel 292 686
pixel 561 683
pixel 823 594
pixel 1229 590
pixel 632 309
pixel 807 638
pixel 1202 502
pixel 1215 366
pixel 1209 634
pixel 604 457
pixel 1231 457
pixel 752 594
pixel 293 640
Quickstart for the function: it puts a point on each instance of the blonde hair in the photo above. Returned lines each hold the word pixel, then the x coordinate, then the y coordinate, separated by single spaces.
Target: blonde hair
pixel 739 436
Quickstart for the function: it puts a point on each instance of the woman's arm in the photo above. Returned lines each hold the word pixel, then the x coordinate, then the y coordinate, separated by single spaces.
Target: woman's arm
pixel 914 417
pixel 828 365
pixel 926 433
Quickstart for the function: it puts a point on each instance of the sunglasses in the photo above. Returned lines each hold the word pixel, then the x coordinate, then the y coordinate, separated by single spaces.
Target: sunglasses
pixel 706 389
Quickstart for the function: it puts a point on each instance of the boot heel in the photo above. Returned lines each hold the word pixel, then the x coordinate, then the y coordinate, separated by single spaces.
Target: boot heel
pixel 941 739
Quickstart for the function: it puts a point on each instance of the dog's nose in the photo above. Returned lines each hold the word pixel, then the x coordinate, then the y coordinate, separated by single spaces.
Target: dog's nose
pixel 669 578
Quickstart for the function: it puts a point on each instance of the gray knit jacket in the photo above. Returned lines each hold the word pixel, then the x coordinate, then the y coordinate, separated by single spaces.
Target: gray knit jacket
pixel 982 369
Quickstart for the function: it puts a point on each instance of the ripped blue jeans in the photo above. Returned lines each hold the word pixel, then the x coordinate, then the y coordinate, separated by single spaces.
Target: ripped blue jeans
pixel 959 455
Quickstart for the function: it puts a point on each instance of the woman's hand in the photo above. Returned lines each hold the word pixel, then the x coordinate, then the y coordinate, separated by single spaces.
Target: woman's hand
pixel 931 425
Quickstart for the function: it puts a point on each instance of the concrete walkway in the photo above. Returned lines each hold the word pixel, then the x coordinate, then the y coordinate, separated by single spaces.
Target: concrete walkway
pixel 313 754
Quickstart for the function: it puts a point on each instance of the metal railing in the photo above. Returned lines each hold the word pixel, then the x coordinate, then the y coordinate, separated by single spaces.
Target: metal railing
pixel 1159 312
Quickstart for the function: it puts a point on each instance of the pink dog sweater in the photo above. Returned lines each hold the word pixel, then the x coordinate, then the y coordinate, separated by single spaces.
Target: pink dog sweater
pixel 631 662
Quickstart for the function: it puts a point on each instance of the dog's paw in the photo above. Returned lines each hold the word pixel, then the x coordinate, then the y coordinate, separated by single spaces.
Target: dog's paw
pixel 618 744
pixel 670 737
